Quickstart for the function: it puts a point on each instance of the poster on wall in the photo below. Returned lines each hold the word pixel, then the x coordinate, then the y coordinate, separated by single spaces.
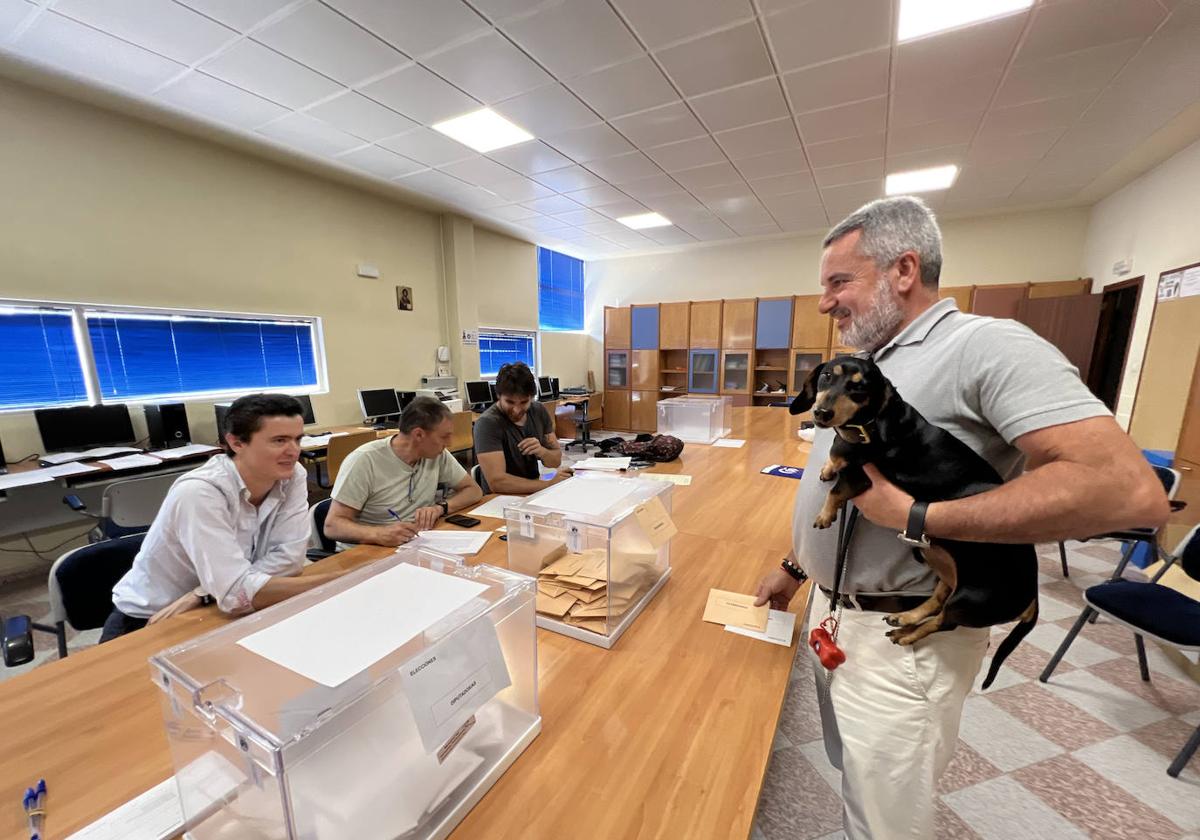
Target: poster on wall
pixel 1190 284
pixel 1168 286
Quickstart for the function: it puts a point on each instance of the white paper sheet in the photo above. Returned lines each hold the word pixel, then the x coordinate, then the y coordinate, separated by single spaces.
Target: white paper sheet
pixel 183 451
pixel 314 440
pixel 674 478
pixel 131 461
pixel 495 507
pixel 780 627
pixel 98 452
pixel 452 542
pixel 589 497
pixel 24 479
pixel 332 641
pixel 608 464
pixel 69 469
pixel 729 443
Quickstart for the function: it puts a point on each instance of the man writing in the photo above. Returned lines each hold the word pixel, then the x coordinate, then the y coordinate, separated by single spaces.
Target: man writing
pixel 514 434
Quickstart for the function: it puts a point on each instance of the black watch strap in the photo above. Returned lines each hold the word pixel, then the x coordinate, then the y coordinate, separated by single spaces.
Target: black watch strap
pixel 445 506
pixel 914 532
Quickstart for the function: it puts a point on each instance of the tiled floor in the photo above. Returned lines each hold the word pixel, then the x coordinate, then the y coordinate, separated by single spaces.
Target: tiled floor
pixel 1082 756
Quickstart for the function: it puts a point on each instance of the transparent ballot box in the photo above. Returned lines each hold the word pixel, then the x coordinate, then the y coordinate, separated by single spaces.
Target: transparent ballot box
pixel 381 705
pixel 599 546
pixel 695 419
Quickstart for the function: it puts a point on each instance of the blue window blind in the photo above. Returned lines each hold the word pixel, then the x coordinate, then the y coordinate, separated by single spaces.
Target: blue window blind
pixel 500 347
pixel 39 365
pixel 560 291
pixel 140 356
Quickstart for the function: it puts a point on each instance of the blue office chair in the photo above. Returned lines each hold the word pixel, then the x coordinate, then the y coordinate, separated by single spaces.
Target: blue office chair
pixel 1148 609
pixel 81 584
pixel 319 545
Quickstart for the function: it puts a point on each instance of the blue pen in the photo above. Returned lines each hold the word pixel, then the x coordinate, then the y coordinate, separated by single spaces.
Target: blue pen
pixel 395 515
pixel 31 812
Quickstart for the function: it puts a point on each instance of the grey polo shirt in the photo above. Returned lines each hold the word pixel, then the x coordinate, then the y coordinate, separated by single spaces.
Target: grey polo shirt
pixel 987 381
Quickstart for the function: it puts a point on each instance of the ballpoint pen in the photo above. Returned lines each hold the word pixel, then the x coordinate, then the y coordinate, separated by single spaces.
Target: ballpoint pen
pixel 395 515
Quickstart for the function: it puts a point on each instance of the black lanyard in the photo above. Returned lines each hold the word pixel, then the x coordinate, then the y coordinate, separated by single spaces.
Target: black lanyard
pixel 845 532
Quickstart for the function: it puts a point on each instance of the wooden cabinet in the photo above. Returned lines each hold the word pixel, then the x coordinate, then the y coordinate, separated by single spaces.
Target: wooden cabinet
pixel 1002 301
pixel 1068 322
pixel 616 327
pixel 961 294
pixel 737 324
pixel 616 410
pixel 1188 448
pixel 705 324
pixel 673 325
pixel 773 324
pixel 643 411
pixel 735 371
pixel 644 327
pixel 643 375
pixel 616 366
pixel 1082 286
pixel 801 364
pixel 809 327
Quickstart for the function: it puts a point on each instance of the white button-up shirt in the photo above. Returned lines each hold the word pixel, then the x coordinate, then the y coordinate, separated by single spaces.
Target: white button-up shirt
pixel 207 534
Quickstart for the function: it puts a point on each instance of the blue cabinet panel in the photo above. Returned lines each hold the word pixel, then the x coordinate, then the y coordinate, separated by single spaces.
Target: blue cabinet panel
pixel 644 327
pixel 774 327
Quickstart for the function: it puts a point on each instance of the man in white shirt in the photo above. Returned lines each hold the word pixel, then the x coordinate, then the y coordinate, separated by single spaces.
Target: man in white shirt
pixel 385 491
pixel 234 529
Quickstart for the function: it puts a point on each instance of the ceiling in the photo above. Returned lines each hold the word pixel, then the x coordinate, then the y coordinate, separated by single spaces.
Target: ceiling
pixel 733 118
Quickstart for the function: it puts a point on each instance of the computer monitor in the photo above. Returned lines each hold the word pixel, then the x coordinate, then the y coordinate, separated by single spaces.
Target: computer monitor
pixel 479 392
pixel 544 389
pixel 306 404
pixel 492 388
pixel 378 402
pixel 404 398
pixel 221 410
pixel 84 426
pixel 554 386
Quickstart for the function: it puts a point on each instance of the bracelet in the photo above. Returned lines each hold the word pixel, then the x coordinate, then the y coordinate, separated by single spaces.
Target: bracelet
pixel 797 574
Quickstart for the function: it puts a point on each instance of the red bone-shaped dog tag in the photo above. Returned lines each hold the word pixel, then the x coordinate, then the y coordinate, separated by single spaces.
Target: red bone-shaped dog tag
pixel 822 643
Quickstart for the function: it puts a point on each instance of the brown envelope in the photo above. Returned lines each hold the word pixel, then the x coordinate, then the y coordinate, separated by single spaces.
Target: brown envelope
pixel 578 580
pixel 736 609
pixel 547 587
pixel 655 521
pixel 556 606
pixel 567 565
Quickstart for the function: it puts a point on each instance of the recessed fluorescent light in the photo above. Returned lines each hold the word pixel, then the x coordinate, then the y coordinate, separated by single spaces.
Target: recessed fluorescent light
pixel 644 220
pixel 921 180
pixel 483 130
pixel 919 18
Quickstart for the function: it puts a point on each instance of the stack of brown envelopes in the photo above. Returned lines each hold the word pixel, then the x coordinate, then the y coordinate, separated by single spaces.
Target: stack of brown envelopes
pixel 576 589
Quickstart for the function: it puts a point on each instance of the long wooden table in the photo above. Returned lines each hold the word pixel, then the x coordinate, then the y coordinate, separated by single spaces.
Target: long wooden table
pixel 667 735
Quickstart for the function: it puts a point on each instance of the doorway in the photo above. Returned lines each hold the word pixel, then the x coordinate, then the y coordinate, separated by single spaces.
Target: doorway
pixel 1118 309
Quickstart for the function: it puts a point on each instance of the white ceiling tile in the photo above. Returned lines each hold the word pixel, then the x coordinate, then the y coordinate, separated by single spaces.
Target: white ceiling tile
pixel 621 209
pixel 568 178
pixel 574 37
pixel 432 182
pixel 754 140
pixel 520 189
pixel 513 213
pixel 1044 115
pixel 545 224
pixel 1066 74
pixel 420 95
pixel 664 21
pixel 846 150
pixel 837 82
pixel 623 169
pixel 308 134
pixel 848 173
pixel 483 198
pixel 1080 24
pixel 416 27
pixel 363 117
pixel 775 163
pixel 624 88
pixel 165 28
pixel 212 98
pixel 629 238
pixel 842 200
pixel 660 125
pixel 709 176
pixel 669 236
pixel 240 14
pixel 927 158
pixel 946 132
pixel 971 50
pixel 320 38
pixel 12 15
pixel 708 230
pixel 604 227
pixel 988 182
pixel 727 198
pixel 489 68
pixel 597 196
pixel 744 105
pixel 687 154
pixel 74 48
pixel 676 205
pixel 548 110
pixel 720 60
pixel 553 205
pixel 818 222
pixel 853 120
pixel 428 147
pixel 748 218
pixel 380 162
pixel 592 142
pixel 648 188
pixel 817 32
pixel 793 207
pixel 265 72
pixel 582 217
pixel 961 96
pixel 530 157
pixel 478 170
pixel 794 182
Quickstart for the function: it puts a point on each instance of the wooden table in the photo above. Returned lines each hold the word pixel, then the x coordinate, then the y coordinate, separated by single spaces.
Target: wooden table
pixel 667 735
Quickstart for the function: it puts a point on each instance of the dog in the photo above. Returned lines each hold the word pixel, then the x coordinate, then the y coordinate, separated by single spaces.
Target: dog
pixel 979 583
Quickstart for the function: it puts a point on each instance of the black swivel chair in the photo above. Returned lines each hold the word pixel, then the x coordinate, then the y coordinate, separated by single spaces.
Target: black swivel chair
pixel 583 423
pixel 81 584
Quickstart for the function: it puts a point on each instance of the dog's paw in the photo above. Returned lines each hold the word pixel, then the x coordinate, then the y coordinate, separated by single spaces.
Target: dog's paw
pixel 824 520
pixel 893 620
pixel 827 473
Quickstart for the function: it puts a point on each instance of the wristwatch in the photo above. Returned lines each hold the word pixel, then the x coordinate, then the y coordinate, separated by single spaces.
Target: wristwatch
pixel 445 506
pixel 914 532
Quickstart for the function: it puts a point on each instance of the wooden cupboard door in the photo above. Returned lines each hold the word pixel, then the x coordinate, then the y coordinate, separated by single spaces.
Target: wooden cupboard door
pixel 773 324
pixel 737 331
pixel 673 325
pixel 1082 286
pixel 643 411
pixel 616 327
pixel 801 363
pixel 809 327
pixel 999 301
pixel 1188 447
pixel 1069 323
pixel 1189 491
pixel 706 324
pixel 961 294
pixel 736 371
pixel 616 410
pixel 644 375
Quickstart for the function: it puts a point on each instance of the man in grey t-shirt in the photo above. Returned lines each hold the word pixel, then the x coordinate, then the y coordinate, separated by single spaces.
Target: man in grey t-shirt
pixel 514 434
pixel 890 714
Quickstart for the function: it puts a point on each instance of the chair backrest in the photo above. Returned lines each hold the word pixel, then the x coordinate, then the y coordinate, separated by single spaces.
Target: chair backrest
pixel 463 436
pixel 134 502
pixel 317 538
pixel 477 474
pixel 1188 553
pixel 82 580
pixel 341 446
pixel 1170 479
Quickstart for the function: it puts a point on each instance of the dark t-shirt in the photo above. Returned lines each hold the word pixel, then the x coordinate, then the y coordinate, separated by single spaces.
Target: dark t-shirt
pixel 494 432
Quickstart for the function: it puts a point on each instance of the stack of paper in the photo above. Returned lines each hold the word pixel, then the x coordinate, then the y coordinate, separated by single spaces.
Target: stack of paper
pixel 184 451
pixel 495 506
pixel 98 452
pixel 129 462
pixel 610 464
pixel 452 542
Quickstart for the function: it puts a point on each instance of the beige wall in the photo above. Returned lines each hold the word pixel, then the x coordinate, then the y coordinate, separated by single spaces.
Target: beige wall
pixel 1153 222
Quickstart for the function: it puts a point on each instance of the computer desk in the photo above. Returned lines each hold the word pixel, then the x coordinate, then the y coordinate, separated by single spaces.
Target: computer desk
pixel 667 735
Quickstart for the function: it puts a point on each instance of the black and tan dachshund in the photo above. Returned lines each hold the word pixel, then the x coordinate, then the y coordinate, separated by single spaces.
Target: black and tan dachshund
pixel 979 583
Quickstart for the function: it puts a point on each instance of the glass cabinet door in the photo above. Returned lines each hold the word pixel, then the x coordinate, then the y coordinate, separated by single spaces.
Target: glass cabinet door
pixel 735 373
pixel 618 369
pixel 803 363
pixel 702 372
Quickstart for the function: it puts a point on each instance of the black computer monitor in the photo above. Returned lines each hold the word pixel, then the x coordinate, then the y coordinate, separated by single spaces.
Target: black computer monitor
pixel 479 392
pixel 554 386
pixel 492 389
pixel 404 398
pixel 306 403
pixel 544 389
pixel 378 402
pixel 84 426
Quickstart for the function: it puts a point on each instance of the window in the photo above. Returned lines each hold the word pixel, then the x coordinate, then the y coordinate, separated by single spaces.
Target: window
pixel 560 291
pixel 501 347
pixel 142 354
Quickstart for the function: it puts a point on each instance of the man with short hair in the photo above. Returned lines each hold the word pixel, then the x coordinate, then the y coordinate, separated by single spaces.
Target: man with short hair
pixel 386 490
pixel 891 714
pixel 514 434
pixel 234 530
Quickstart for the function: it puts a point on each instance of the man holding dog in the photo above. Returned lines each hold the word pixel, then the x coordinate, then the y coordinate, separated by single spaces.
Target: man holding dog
pixel 890 713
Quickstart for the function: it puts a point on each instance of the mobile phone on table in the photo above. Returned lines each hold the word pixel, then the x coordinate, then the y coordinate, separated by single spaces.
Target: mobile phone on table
pixel 464 521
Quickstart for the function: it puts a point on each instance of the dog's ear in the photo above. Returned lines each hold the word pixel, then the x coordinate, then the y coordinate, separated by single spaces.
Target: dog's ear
pixel 808 394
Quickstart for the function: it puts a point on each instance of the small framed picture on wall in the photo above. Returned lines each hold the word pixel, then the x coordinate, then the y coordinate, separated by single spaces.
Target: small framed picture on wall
pixel 404 298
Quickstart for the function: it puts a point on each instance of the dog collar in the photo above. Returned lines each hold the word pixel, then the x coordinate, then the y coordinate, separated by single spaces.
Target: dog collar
pixel 863 435
pixel 914 532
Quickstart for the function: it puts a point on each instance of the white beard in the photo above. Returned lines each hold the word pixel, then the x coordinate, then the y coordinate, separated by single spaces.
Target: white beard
pixel 870 329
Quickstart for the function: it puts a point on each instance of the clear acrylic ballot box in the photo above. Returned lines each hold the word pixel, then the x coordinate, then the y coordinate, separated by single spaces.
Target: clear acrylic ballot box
pixel 695 419
pixel 599 546
pixel 381 705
